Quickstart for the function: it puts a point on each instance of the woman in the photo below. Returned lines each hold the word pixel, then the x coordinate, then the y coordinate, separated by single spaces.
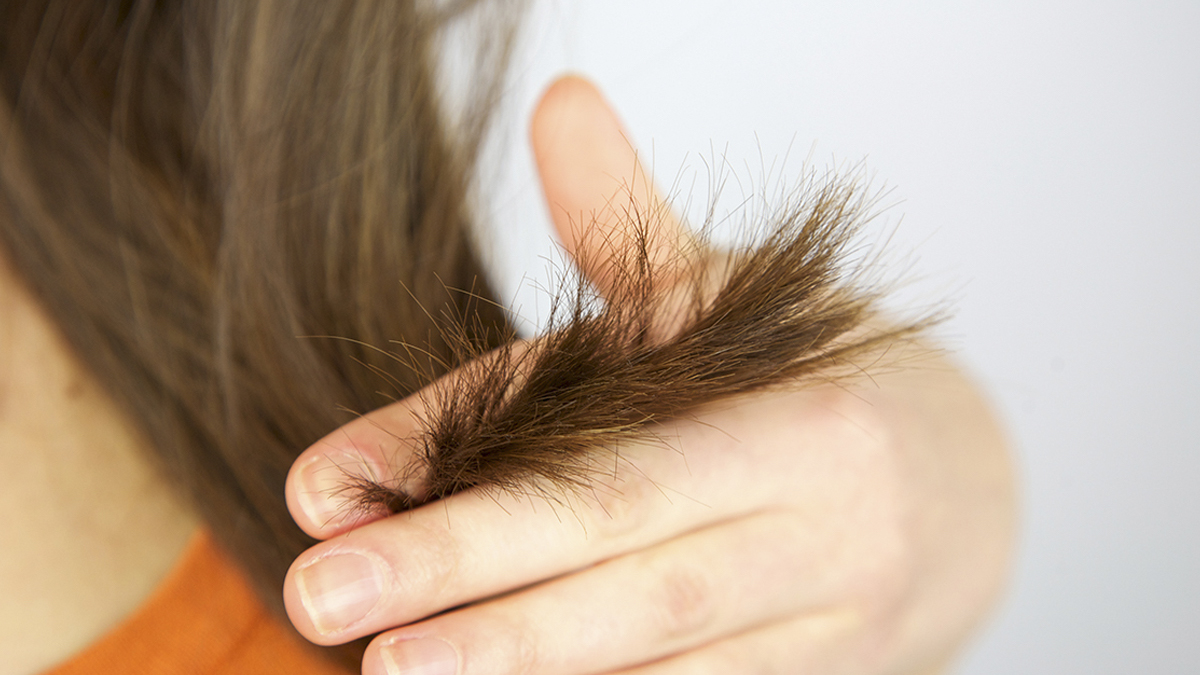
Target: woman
pixel 188 188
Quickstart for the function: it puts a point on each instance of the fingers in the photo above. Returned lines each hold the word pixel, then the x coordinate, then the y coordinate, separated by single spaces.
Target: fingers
pixel 595 185
pixel 669 599
pixel 324 487
pixel 474 545
pixel 683 541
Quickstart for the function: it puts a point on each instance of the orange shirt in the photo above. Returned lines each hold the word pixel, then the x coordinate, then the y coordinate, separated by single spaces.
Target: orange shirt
pixel 204 620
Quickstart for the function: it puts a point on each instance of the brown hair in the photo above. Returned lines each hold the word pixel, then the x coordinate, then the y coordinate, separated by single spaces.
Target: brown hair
pixel 190 187
pixel 681 324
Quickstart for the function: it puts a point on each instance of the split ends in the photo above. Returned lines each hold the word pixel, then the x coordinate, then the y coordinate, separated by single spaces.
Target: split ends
pixel 795 306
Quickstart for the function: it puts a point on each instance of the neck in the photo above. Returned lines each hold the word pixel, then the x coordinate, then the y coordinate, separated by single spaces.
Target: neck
pixel 89 529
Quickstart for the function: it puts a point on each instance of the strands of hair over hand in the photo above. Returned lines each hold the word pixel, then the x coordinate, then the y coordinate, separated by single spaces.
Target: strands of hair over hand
pixel 793 307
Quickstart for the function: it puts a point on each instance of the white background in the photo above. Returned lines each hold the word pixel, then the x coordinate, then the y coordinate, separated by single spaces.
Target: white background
pixel 1045 160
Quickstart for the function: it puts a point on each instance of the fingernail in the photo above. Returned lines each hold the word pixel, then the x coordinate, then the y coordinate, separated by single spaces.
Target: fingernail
pixel 323 482
pixel 420 656
pixel 339 591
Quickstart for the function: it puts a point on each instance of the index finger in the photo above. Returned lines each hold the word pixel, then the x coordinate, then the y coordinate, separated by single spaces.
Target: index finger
pixel 324 483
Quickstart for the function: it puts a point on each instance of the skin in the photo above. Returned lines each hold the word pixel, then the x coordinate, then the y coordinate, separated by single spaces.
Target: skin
pixel 91 528
pixel 860 528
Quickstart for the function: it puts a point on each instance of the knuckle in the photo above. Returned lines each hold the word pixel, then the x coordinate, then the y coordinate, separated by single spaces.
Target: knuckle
pixel 495 639
pixel 885 573
pixel 869 487
pixel 684 600
pixel 875 496
pixel 888 577
pixel 861 423
pixel 525 653
pixel 432 568
pixel 618 504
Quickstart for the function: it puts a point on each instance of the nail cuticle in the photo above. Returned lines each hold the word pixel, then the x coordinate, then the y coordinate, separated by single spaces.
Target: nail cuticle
pixel 420 656
pixel 341 589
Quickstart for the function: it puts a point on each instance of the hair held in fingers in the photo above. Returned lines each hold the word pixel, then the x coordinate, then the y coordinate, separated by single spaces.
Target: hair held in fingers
pixel 794 306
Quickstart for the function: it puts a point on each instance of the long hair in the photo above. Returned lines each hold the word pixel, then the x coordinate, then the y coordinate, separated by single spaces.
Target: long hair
pixel 204 194
pixel 189 188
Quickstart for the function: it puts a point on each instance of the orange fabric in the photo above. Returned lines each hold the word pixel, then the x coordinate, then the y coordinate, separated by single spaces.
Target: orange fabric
pixel 203 619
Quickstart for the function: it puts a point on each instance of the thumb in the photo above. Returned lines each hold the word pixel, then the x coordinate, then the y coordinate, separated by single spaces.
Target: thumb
pixel 601 199
pixel 602 202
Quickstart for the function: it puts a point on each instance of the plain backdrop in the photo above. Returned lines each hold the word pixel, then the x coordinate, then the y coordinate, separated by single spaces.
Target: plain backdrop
pixel 1044 162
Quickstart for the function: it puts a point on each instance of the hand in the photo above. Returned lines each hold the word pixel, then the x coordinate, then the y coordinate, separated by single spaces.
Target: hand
pixel 864 528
